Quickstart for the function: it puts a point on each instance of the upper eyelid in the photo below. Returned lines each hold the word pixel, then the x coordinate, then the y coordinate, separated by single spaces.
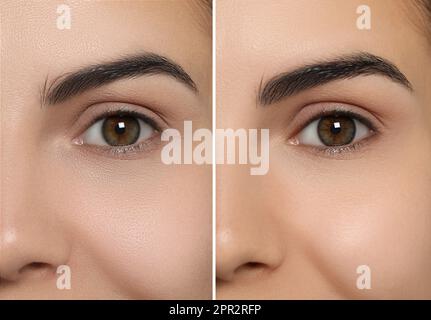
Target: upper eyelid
pixel 97 111
pixel 308 112
pixel 352 114
pixel 127 101
pixel 143 117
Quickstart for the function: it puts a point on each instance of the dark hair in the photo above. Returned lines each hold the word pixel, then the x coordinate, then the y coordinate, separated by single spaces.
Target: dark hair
pixel 208 4
pixel 427 5
pixel 424 7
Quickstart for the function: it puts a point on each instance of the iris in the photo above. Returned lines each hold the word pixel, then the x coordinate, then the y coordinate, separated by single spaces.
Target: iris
pixel 336 130
pixel 121 130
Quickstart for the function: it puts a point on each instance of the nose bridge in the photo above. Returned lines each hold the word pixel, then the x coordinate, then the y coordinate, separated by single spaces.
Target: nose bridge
pixel 247 232
pixel 17 164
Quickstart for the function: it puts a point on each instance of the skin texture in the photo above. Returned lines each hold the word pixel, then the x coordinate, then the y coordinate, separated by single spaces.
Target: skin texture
pixel 302 230
pixel 130 227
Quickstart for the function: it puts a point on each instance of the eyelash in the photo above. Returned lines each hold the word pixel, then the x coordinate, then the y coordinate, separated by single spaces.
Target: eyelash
pixel 334 151
pixel 128 150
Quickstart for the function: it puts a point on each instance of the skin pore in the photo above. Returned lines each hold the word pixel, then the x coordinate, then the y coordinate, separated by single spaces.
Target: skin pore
pixel 126 224
pixel 302 230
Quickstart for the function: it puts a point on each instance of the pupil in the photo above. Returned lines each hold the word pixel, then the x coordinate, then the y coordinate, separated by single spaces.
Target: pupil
pixel 120 128
pixel 336 127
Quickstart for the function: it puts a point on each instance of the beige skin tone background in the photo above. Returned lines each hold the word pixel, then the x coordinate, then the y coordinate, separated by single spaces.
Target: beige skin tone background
pixel 132 228
pixel 301 230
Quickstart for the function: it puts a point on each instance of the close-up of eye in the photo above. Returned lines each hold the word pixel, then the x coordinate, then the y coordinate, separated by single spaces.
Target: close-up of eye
pixel 118 130
pixel 334 130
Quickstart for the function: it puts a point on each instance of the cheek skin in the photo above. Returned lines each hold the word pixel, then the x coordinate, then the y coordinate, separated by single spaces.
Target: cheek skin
pixel 373 211
pixel 145 234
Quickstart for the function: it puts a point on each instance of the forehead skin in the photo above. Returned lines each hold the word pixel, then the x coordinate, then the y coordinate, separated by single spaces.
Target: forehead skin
pixel 271 36
pixel 101 31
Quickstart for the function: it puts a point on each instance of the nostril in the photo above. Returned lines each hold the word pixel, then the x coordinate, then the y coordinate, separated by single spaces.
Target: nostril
pixel 36 269
pixel 34 266
pixel 254 265
pixel 251 266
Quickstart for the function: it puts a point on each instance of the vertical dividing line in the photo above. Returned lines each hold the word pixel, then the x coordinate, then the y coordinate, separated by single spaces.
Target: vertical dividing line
pixel 214 114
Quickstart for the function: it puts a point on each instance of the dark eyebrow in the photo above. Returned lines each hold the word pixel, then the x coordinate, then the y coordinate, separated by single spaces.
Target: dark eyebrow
pixel 313 75
pixel 97 75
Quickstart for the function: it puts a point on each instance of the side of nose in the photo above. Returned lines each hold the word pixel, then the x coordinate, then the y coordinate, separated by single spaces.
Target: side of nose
pixel 32 243
pixel 248 236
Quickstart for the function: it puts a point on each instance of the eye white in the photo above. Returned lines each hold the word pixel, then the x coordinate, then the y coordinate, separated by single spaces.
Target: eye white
pixel 94 135
pixel 310 136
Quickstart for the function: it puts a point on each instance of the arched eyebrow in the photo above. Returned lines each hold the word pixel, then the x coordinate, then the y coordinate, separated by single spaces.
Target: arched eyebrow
pixel 69 85
pixel 312 75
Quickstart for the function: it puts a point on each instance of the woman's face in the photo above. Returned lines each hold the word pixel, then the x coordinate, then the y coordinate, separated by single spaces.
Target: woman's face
pixel 127 225
pixel 302 230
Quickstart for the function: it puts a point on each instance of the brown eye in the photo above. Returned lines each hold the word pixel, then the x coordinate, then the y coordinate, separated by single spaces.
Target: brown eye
pixel 121 130
pixel 336 130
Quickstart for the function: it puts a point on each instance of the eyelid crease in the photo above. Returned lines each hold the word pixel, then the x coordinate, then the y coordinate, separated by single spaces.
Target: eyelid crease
pixel 98 111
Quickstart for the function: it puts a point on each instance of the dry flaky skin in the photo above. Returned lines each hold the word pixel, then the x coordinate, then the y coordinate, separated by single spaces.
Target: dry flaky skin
pixel 129 228
pixel 303 229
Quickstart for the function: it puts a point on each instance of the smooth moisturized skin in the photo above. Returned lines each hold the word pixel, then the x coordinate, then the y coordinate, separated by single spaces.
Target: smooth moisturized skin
pixel 302 230
pixel 129 227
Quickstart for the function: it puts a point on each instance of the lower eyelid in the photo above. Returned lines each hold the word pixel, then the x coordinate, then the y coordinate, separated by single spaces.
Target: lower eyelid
pixel 342 152
pixel 131 152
